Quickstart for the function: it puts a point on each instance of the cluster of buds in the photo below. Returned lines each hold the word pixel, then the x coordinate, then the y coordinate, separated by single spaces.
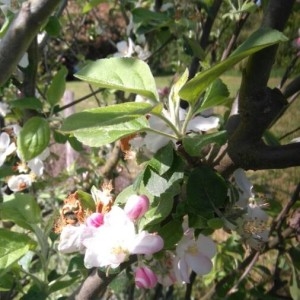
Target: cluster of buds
pixel 108 236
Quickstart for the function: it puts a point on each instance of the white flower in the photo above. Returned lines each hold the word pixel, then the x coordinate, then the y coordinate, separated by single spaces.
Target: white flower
pixel 200 123
pixel 24 61
pixel 113 242
pixel 103 198
pixel 193 255
pixel 36 164
pixel 142 54
pixel 18 183
pixel 253 226
pixel 4 109
pixel 71 238
pixel 244 187
pixel 125 49
pixel 6 148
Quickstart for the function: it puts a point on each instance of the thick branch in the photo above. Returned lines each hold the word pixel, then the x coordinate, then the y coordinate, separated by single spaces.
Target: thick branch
pixel 259 65
pixel 21 33
pixel 292 88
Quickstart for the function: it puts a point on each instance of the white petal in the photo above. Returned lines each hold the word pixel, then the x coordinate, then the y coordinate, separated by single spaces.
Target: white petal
pixel 200 123
pixel 24 61
pixel 206 246
pixel 182 270
pixel 71 238
pixel 146 243
pixel 201 264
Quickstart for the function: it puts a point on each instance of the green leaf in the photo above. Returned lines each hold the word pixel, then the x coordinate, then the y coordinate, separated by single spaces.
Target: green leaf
pixel 106 116
pixel 294 253
pixel 27 103
pixel 33 138
pixel 259 40
pixel 216 94
pixel 59 137
pixel 100 126
pixel 21 209
pixel 86 200
pixel 57 87
pixel 206 191
pixel 160 210
pixel 193 145
pixel 90 5
pixel 193 48
pixel 121 73
pixel 13 246
pixel 53 26
pixel 215 223
pixel 6 171
pixel 295 284
pixel 162 160
pixel 97 137
pixel 155 184
pixel 147 20
pixel 171 233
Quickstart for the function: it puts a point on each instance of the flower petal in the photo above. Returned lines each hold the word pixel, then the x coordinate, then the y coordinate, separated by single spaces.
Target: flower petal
pixel 206 246
pixel 199 263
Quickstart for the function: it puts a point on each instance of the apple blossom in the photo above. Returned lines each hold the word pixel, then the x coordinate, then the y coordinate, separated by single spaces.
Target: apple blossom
pixel 36 164
pixel 18 183
pixel 113 242
pixel 125 49
pixel 145 278
pixel 244 187
pixel 136 206
pixel 193 254
pixel 6 147
pixel 95 220
pixel 4 109
pixel 103 198
pixel 71 238
pixel 252 226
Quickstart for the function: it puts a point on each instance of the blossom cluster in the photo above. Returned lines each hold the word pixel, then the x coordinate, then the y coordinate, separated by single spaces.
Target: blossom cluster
pixel 28 171
pixel 111 234
pixel 252 223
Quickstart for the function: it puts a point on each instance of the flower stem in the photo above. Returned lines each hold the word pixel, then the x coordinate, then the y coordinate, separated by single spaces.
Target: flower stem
pixel 170 124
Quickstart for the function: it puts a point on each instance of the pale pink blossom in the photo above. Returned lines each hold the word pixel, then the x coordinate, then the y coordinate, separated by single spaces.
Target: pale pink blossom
pixel 114 241
pixel 95 220
pixel 4 109
pixel 18 183
pixel 36 164
pixel 136 206
pixel 145 278
pixel 193 254
pixel 6 147
pixel 71 238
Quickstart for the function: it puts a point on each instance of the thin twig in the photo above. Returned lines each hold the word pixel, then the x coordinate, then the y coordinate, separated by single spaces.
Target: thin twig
pixel 61 108
pixel 289 133
pixel 247 270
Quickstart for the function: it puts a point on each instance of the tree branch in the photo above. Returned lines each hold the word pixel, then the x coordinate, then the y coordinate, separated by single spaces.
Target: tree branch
pixel 205 35
pixel 292 88
pixel 97 282
pixel 259 65
pixel 21 33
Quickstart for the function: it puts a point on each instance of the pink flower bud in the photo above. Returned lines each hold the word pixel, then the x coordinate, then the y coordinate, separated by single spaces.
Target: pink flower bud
pixel 95 220
pixel 145 278
pixel 136 206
